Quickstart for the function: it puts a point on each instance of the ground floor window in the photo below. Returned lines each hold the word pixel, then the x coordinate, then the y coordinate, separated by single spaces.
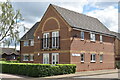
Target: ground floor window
pixel 82 57
pixel 93 57
pixel 45 58
pixel 31 57
pixel 25 57
pixel 55 58
pixel 101 57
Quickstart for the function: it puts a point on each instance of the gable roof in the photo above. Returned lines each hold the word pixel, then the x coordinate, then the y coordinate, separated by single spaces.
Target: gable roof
pixel 8 51
pixel 77 20
pixel 30 33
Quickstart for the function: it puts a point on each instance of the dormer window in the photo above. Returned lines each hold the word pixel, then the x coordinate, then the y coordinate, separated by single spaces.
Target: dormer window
pixel 92 36
pixel 82 35
pixel 26 43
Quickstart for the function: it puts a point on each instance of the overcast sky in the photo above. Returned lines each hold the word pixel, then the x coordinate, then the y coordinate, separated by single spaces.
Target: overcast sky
pixel 106 12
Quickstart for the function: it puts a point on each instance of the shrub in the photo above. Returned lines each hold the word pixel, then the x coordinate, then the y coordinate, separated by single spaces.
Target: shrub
pixel 2 59
pixel 37 70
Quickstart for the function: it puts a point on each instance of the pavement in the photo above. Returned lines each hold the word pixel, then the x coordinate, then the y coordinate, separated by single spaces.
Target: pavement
pixel 111 74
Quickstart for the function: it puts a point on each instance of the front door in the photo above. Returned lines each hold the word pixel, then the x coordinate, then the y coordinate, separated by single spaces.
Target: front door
pixel 55 58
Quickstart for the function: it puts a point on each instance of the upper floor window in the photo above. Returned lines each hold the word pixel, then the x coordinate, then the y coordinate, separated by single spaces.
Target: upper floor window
pixel 32 43
pixel 55 39
pixel 92 36
pixel 101 39
pixel 26 43
pixel 82 35
pixel 46 40
pixel 82 57
pixel 93 57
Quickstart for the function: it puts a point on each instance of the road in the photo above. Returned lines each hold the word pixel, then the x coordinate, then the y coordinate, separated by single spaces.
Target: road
pixel 111 76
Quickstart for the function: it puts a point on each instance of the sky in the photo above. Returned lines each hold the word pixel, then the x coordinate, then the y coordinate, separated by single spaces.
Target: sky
pixel 105 11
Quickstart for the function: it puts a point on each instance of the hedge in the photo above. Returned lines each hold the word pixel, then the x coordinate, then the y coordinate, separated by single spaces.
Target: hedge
pixel 37 70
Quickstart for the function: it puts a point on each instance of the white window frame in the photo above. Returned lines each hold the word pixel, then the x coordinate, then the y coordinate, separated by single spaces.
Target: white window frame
pixel 92 36
pixel 101 38
pixel 24 57
pixel 46 55
pixel 31 42
pixel 55 34
pixel 45 37
pixel 55 56
pixel 101 57
pixel 92 57
pixel 31 57
pixel 82 57
pixel 82 35
pixel 26 43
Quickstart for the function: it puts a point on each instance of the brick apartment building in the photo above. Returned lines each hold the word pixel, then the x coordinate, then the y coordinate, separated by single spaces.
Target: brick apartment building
pixel 67 37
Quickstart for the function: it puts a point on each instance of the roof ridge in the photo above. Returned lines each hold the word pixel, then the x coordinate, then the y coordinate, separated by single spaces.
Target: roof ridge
pixel 72 10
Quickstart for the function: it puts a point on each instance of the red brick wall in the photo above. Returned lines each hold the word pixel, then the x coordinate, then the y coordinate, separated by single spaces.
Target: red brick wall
pixel 86 46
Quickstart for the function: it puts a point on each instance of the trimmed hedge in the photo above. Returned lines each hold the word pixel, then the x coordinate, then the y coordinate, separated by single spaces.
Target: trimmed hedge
pixel 37 70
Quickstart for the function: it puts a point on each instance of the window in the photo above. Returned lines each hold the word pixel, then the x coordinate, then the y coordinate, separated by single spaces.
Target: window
pixel 55 39
pixel 45 58
pixel 101 57
pixel 32 43
pixel 26 43
pixel 93 57
pixel 31 57
pixel 101 40
pixel 46 40
pixel 55 58
pixel 82 57
pixel 82 35
pixel 25 57
pixel 92 36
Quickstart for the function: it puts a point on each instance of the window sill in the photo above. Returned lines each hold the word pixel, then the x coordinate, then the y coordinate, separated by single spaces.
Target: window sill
pixel 101 42
pixel 92 41
pixel 92 61
pixel 82 39
pixel 101 61
pixel 82 61
pixel 25 60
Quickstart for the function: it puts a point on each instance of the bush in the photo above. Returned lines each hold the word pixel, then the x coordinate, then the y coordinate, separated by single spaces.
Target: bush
pixel 37 70
pixel 118 64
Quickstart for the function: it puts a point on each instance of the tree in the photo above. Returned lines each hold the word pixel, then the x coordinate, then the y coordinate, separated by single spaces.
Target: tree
pixel 9 24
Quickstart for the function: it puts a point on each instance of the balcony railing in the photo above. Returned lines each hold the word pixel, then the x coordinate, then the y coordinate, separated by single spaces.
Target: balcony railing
pixel 50 43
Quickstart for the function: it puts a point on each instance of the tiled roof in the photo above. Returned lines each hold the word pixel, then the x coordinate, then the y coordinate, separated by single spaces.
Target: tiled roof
pixel 82 21
pixel 8 51
pixel 116 34
pixel 75 20
pixel 30 33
